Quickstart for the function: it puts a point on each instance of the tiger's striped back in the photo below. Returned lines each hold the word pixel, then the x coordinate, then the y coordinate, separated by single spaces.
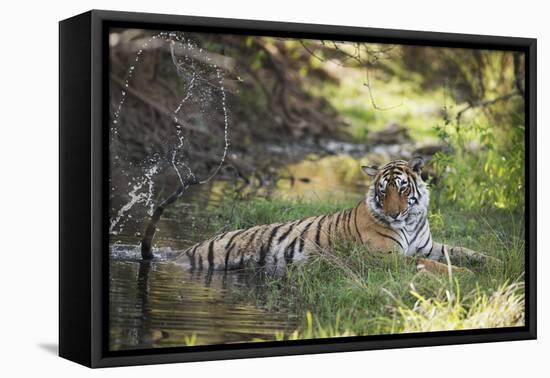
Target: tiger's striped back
pixel 273 246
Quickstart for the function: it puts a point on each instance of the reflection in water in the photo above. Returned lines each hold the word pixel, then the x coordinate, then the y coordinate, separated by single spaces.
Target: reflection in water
pixel 335 177
pixel 160 304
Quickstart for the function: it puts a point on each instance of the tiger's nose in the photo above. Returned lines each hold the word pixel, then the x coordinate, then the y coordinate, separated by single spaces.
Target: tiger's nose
pixel 394 214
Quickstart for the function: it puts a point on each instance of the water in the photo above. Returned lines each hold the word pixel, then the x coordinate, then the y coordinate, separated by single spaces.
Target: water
pixel 159 304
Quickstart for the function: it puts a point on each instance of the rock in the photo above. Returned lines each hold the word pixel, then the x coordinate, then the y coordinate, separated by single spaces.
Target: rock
pixel 338 147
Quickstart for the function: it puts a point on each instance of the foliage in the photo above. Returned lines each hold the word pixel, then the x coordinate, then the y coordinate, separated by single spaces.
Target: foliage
pixel 505 307
pixel 470 101
pixel 190 340
pixel 314 332
pixel 481 170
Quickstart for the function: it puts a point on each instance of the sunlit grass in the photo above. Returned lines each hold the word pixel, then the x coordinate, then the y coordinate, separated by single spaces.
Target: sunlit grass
pixel 448 311
pixel 504 307
pixel 265 211
pixel 385 100
pixel 190 340
pixel 311 331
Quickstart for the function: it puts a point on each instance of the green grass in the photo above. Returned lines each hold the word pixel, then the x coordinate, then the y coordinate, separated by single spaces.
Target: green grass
pixel 387 101
pixel 352 291
pixel 265 211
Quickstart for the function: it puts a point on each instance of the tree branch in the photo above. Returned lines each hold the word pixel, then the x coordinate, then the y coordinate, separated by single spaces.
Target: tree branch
pixel 486 103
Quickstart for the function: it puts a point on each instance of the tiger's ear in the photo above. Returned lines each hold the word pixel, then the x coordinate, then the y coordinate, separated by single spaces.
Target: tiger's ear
pixel 416 163
pixel 371 171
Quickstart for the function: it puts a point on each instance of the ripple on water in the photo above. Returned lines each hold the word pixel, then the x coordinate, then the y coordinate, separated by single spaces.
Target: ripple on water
pixel 160 304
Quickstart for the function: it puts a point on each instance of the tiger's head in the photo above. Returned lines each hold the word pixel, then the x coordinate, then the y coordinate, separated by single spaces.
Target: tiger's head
pixel 398 195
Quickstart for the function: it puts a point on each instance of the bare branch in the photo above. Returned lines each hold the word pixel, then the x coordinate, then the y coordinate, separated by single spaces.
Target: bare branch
pixel 486 103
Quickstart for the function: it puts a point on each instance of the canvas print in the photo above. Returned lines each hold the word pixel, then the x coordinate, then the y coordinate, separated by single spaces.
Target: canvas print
pixel 264 188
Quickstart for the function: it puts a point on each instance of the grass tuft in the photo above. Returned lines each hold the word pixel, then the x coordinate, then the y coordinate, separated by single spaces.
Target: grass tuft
pixel 505 307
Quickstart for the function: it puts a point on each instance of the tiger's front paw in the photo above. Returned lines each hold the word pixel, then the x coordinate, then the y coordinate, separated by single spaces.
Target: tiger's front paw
pixel 424 265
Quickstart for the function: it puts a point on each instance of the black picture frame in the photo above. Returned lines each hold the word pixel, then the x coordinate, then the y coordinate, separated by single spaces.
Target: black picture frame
pixel 83 166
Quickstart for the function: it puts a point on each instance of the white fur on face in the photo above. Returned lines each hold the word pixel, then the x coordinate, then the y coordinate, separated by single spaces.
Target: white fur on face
pixel 417 209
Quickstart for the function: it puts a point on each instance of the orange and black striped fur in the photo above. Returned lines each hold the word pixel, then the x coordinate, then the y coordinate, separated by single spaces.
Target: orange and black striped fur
pixel 392 218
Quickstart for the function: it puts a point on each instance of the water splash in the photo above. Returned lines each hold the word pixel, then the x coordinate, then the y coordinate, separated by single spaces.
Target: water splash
pixel 183 53
pixel 135 198
pixel 179 131
pixel 150 184
pixel 131 252
pixel 225 129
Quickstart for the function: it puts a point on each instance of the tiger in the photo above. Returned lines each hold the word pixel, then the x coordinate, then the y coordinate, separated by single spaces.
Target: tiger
pixel 393 218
